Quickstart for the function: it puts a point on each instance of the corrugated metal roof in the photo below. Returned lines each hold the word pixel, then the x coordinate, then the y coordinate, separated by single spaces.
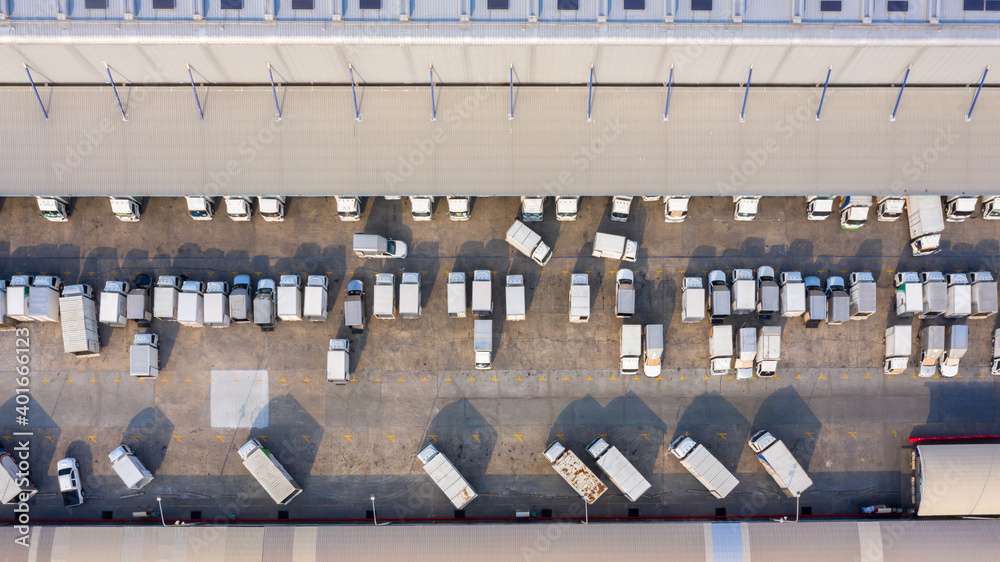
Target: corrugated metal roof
pixel 959 479
pixel 550 148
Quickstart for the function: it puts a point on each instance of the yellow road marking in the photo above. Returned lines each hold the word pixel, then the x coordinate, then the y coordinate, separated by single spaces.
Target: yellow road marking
pixel 853 434
pixel 519 437
pixel 477 438
pixel 221 438
pixel 434 437
pixel 391 438
pixel 809 433
pixel 646 435
pixel 93 438
pixel 723 435
pixel 348 437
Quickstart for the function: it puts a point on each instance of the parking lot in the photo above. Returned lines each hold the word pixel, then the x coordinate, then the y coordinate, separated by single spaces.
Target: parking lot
pixel 414 381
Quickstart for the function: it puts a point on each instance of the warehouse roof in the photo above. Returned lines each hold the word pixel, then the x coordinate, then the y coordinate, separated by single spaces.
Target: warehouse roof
pixel 474 148
pixel 959 480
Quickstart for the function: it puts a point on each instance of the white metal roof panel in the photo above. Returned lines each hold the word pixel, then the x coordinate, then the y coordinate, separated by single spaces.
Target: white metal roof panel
pixel 975 492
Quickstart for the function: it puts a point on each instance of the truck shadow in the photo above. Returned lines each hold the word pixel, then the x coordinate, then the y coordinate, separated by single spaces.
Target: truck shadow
pixel 288 430
pixel 429 266
pixel 467 438
pixel 788 417
pixel 959 408
pixel 84 455
pixel 148 435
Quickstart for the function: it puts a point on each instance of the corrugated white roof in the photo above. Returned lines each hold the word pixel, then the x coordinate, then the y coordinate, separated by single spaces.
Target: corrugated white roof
pixel 959 479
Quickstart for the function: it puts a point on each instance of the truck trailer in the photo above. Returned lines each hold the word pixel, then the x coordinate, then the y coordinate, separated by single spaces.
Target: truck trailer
pixel 926 221
pixel 129 468
pixel 574 472
pixel 79 321
pixel 780 464
pixel 704 466
pixel 14 489
pixel 269 472
pixel 618 468
pixel 446 477
pixel 528 242
pixel 114 302
pixel 614 247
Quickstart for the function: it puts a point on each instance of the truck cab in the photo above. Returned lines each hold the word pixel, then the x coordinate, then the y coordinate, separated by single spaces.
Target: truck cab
pixel 239 207
pixel 421 207
pixel 818 208
pixel 272 207
pixel 55 209
pixel 625 291
pixel 854 211
pixel 348 208
pixel 200 208
pixel 991 207
pixel 620 207
pixel 675 209
pixel 125 209
pixel 746 207
pixel 890 207
pixel 567 207
pixel 961 207
pixel 459 208
pixel 532 207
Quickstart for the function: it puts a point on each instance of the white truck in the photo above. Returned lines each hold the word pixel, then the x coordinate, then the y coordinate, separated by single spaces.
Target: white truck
pixel 624 293
pixel 529 243
pixel 139 306
pixel 263 305
pixel 165 293
pixel 6 323
pixel 931 349
pixel 692 300
pixel 384 296
pixel 79 321
pixel 338 361
pixel 290 298
pixel 768 293
pixel 816 306
pixel 456 294
pixel 217 304
pixel 746 207
pixel 271 207
pixel 863 295
pixel 114 302
pixel 574 472
pixel 482 293
pixel 746 352
pixel 675 209
pixel 422 207
pixel 909 294
pixel 956 345
pixel 55 209
pixel 744 292
pixel 622 473
pixel 960 207
pixel 348 208
pixel 125 209
pixel 991 207
pixel 532 207
pixel 959 296
pixel 144 356
pixel 579 298
pixel 854 211
pixel 780 464
pixel 567 207
pixel 926 222
pixel 984 295
pixel 482 343
pixel 269 473
pixel 515 302
pixel 14 486
pixel 43 298
pixel 128 467
pixel 70 485
pixel 241 299
pixel 191 304
pixel 314 298
pixel 620 207
pixel 890 207
pixel 409 295
pixel 995 364
pixel 653 353
pixel 839 301
pixel 720 349
pixel 768 351
pixel 446 477
pixel 614 247
pixel 704 466
pixel 719 296
pixel 18 297
pixel 354 306
pixel 935 289
pixel 459 208
pixel 819 207
pixel 630 350
pixel 199 207
pixel 793 294
pixel 239 207
pixel 898 347
pixel 375 246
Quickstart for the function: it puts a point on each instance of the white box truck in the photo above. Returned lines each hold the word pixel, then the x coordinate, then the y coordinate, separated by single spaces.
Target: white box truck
pixel 675 209
pixel 768 351
pixel 290 298
pixel 890 207
pixel 139 307
pixel 719 297
pixel 338 361
pixel 314 298
pixel 532 207
pixel 653 353
pixel 620 207
pixel 191 304
pixel 984 295
pixel 79 321
pixel 375 246
pixel 529 243
pixel 269 473
pixel 819 207
pixel 926 222
pixel 780 464
pixel 482 343
pixel 622 473
pixel 263 305
pixel 241 299
pixel 144 356
pixel 271 207
pixel 18 295
pixel 793 294
pixel 692 300
pixel 384 296
pixel 567 207
pixel 348 208
pixel 128 467
pixel 516 307
pixel 239 207
pixel 839 300
pixel 456 294
pixel 165 293
pixel 200 208
pixel 574 472
pixel 816 306
pixel 768 292
pixel 409 295
pixel 720 349
pixel 114 302
pixel 217 304
pixel 630 350
pixel 863 297
pixel 43 298
pixel 14 487
pixel 854 211
pixel 995 364
pixel 956 344
pixel 614 247
pixel 482 293
pixel 898 347
pixel 703 466
pixel 746 352
pixel 6 323
pixel 422 207
pixel 446 477
pixel 746 207
pixel 931 349
pixel 935 294
pixel 624 293
pixel 909 294
pixel 960 207
pixel 125 209
pixel 744 293
pixel 579 298
pixel 991 207
pixel 55 209
pixel 459 208
pixel 354 306
pixel 959 296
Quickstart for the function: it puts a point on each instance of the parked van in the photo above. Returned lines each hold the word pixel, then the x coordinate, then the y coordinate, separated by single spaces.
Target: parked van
pixel 191 304
pixel 113 303
pixel 165 294
pixel 239 207
pixel 744 293
pixel 935 289
pixel 272 207
pixel 863 299
pixel 129 468
pixel 793 294
pixel 144 356
pixel 241 299
pixel 532 208
pixel 459 208
pixel 984 295
pixel 675 209
pixel 375 246
pixel 217 304
pixel 482 343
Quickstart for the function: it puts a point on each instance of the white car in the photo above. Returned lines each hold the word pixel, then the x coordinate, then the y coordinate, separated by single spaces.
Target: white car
pixel 69 482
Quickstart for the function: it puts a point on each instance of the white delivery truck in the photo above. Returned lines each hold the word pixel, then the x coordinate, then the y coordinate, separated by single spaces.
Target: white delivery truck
pixel 780 464
pixel 290 298
pixel 239 207
pixel 956 344
pixel 692 300
pixel 384 296
pixel 720 349
pixel 567 207
pixel 217 304
pixel 768 351
pixel 960 207
pixel 409 295
pixel 354 306
pixel 532 207
pixel 129 468
pixel 14 487
pixel 863 299
pixel 125 209
pixel 909 294
pixel 935 294
pixel 618 468
pixel 793 294
pixel 959 296
pixel 338 361
pixel 43 298
pixel 819 207
pixel 482 293
pixel 719 301
pixel 6 323
pixel 768 293
pixel 630 350
pixel 614 247
pixel 746 207
pixel 746 352
pixel 516 306
pixel 620 207
pixel 456 294
pixel 191 304
pixel 271 207
pixel 269 472
pixel 199 207
pixel 444 475
pixel 574 472
pixel 348 208
pixel 459 208
pixel 744 294
pixel 704 466
pixel 165 293
pixel 854 211
pixel 624 293
pixel 529 243
pixel 482 343
pixel 815 302
pixel 675 209
pixel 375 246
pixel 579 298
pixel 890 207
pixel 991 207
pixel 931 349
pixel 995 364
pixel 79 321
pixel 926 224
pixel 241 299
pixel 114 301
pixel 263 305
pixel 984 295
pixel 653 354
pixel 140 306
pixel 55 209
pixel 839 300
pixel 18 296
pixel 422 207
pixel 898 347
pixel 144 356
pixel 314 298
